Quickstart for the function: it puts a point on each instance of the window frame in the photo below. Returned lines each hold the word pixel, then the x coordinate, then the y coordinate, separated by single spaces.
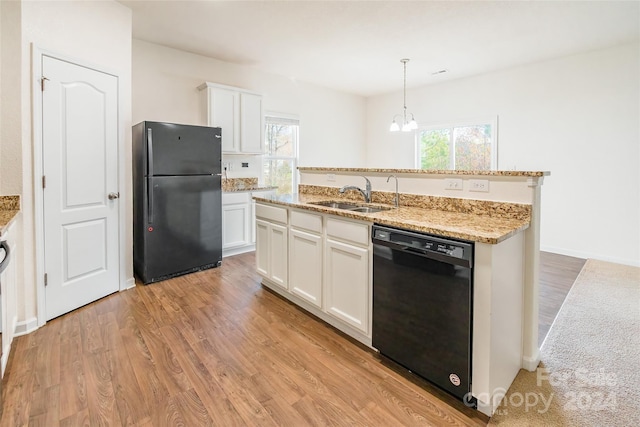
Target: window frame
pixel 492 120
pixel 284 118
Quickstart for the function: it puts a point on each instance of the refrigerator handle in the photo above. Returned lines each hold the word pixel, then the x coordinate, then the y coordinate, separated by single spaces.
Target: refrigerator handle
pixel 149 177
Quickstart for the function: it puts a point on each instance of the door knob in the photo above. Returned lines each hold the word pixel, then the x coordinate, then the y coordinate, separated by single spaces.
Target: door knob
pixel 113 196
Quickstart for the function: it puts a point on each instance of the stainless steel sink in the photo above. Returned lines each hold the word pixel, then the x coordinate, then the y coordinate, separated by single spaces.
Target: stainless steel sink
pixel 350 206
pixel 336 205
pixel 369 209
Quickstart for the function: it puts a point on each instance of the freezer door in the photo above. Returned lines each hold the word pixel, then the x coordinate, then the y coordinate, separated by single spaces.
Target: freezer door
pixel 182 150
pixel 182 226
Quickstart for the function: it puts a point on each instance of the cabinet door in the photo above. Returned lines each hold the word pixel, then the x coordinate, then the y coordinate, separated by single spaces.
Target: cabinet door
pixel 347 284
pixel 305 271
pixel 224 110
pixel 251 123
pixel 235 225
pixel 262 248
pixel 252 213
pixel 278 261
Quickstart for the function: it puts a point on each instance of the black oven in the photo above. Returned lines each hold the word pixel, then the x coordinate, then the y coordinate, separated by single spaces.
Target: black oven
pixel 423 305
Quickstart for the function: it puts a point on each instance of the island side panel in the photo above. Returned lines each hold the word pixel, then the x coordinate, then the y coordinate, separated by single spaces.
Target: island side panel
pixel 497 320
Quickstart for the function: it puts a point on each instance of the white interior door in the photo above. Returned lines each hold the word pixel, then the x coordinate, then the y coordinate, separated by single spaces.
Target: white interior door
pixel 80 152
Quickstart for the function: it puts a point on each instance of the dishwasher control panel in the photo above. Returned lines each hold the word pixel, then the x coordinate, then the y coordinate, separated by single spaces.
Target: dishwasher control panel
pixel 423 242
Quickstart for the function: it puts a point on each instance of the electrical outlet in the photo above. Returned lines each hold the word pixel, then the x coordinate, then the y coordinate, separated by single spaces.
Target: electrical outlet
pixel 481 185
pixel 453 184
pixel 331 177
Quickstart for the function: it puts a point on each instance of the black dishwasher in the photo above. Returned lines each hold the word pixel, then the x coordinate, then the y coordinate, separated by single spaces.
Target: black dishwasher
pixel 422 305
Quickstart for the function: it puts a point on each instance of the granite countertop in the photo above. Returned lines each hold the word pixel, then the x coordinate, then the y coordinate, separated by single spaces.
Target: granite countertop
pixel 234 185
pixel 256 188
pixel 9 209
pixel 428 172
pixel 466 226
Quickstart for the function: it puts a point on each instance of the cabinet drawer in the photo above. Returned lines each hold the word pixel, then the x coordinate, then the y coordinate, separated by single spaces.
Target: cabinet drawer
pixel 348 231
pixel 233 198
pixel 306 221
pixel 271 213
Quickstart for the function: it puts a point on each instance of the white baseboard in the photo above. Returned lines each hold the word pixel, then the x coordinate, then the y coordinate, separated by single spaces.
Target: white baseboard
pixel 238 250
pixel 587 255
pixel 26 327
pixel 129 283
pixel 531 363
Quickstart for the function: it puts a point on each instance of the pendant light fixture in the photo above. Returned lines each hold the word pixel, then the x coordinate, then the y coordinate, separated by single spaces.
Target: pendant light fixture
pixel 407 125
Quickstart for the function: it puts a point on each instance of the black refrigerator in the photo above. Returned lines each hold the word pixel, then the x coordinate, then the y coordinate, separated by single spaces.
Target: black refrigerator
pixel 177 199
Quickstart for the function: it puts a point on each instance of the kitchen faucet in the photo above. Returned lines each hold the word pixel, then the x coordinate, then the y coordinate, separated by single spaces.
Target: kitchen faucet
pixel 366 193
pixel 396 199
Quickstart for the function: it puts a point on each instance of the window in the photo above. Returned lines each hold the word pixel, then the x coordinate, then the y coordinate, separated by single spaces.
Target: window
pixel 470 145
pixel 280 158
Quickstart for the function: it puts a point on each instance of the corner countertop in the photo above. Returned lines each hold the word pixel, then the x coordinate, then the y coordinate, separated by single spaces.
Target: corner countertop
pixel 9 210
pixel 466 226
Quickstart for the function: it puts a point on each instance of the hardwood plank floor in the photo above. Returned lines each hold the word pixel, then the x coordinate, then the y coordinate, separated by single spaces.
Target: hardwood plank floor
pixel 557 274
pixel 216 348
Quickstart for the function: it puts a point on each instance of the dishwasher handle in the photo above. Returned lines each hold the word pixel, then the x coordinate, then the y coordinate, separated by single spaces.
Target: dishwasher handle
pixel 7 252
pixel 424 253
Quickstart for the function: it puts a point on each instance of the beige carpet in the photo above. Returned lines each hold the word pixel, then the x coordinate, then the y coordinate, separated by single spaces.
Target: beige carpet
pixel 590 370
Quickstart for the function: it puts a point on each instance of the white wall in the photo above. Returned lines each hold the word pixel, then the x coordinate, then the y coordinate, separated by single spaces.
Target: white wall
pixel 165 85
pixel 577 117
pixel 95 33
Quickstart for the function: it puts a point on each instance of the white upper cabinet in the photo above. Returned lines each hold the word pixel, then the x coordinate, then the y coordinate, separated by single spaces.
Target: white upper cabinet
pixel 251 123
pixel 240 115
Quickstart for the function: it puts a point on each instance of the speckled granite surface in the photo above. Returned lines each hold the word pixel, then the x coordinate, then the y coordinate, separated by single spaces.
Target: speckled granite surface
pixel 9 209
pixel 448 204
pixel 242 184
pixel 467 226
pixel 426 172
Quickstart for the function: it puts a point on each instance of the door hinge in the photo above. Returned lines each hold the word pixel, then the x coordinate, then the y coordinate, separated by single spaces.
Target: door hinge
pixel 44 181
pixel 42 83
pixel 46 281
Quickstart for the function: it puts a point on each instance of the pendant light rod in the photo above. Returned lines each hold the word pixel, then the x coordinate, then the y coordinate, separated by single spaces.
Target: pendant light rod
pixel 406 125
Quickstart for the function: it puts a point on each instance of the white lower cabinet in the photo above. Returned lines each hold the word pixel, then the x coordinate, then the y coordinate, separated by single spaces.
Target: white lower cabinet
pixel 305 266
pixel 272 244
pixel 346 283
pixel 239 221
pixel 328 260
pixel 236 222
pixel 277 247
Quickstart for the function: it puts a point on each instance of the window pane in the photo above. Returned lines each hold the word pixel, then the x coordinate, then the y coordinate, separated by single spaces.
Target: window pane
pixel 280 139
pixel 434 149
pixel 279 173
pixel 473 147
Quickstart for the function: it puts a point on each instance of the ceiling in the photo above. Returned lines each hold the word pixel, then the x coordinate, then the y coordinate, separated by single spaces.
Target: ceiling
pixel 356 46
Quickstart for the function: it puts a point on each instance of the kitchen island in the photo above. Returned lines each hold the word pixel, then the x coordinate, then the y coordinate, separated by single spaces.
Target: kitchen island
pixel 331 250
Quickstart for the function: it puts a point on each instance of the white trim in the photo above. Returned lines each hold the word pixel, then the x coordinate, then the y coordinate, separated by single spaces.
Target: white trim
pixel 285 116
pixel 25 327
pixel 590 255
pixel 206 85
pixel 129 283
pixel 531 363
pixel 37 53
